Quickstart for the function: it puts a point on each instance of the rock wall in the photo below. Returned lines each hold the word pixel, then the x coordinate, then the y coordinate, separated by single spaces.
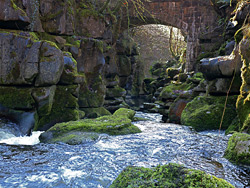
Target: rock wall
pixel 63 70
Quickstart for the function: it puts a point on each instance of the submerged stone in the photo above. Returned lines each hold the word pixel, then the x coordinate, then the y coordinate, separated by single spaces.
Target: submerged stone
pixel 117 124
pixel 171 175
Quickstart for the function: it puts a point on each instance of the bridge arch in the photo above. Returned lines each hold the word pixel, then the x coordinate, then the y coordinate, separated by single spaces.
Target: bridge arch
pixel 197 20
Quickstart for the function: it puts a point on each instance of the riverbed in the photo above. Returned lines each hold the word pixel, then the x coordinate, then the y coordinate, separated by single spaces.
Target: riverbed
pixel 24 162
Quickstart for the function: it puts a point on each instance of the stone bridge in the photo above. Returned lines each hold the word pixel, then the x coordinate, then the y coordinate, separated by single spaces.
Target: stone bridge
pixel 197 20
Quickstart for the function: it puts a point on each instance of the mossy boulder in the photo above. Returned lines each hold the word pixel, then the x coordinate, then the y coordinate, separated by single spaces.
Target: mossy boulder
pixel 95 112
pixel 171 175
pixel 238 149
pixel 117 124
pixel 173 90
pixel 204 113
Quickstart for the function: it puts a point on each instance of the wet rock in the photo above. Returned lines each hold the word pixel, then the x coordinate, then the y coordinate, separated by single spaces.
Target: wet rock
pixel 176 109
pixel 166 176
pixel 24 121
pixel 238 149
pixel 117 124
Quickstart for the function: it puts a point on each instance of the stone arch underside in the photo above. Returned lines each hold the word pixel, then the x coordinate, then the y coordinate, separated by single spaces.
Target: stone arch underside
pixel 197 20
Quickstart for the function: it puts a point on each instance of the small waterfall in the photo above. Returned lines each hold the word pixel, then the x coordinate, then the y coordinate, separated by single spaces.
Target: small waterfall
pixel 22 140
pixel 11 133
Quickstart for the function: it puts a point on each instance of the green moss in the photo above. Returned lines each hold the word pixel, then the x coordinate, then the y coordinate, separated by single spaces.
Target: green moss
pixel 16 8
pixel 51 16
pixel 238 149
pixel 242 106
pixel 116 124
pixel 16 98
pixel 174 90
pixel 95 112
pixel 204 113
pixel 171 175
pixel 115 92
pixel 64 108
pixel 246 125
pixel 234 126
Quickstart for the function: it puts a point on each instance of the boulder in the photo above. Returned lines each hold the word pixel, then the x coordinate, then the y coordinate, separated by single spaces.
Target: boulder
pixel 172 91
pixel 117 124
pixel 238 148
pixel 170 175
pixel 24 122
pixel 222 66
pixel 205 113
pixel 50 65
pixel 19 59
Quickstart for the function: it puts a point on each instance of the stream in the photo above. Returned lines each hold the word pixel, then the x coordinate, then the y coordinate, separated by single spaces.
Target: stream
pixel 24 162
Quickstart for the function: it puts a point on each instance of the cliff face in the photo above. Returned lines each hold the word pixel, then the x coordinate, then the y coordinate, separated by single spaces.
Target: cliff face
pixel 62 68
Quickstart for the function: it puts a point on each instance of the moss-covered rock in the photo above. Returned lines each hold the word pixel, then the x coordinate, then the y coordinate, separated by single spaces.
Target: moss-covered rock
pixel 204 113
pixel 64 108
pixel 16 98
pixel 171 175
pixel 117 124
pixel 238 149
pixel 115 92
pixel 172 91
pixel 95 112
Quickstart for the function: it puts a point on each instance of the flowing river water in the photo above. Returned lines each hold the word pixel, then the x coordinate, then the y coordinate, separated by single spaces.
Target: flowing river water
pixel 24 162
